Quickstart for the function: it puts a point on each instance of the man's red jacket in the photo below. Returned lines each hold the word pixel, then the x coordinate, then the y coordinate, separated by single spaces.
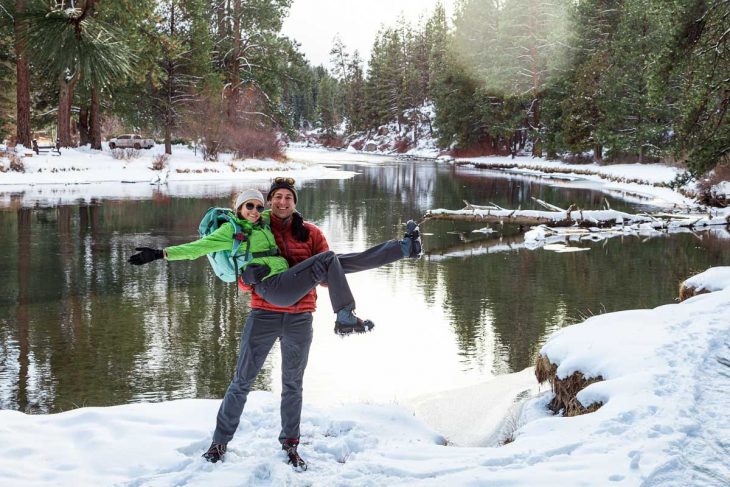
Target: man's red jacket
pixel 294 252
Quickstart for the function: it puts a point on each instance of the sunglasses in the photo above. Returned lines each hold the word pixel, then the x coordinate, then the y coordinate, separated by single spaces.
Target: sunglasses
pixel 250 206
pixel 280 180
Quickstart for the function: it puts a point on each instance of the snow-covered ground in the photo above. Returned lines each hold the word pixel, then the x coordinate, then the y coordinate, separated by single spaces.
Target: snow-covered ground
pixel 638 182
pixel 666 376
pixel 83 174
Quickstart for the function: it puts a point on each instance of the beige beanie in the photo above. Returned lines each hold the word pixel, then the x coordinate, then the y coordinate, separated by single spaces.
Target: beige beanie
pixel 248 194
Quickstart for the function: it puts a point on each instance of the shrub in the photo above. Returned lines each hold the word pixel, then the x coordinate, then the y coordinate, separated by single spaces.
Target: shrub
pixel 566 389
pixel 233 122
pixel 125 154
pixel 334 141
pixel 706 187
pixel 16 163
pixel 159 162
pixel 401 145
pixel 255 143
pixel 680 180
pixel 577 158
pixel 180 141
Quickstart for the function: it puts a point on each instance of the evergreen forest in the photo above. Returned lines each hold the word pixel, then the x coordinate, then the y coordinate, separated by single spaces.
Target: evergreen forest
pixel 580 80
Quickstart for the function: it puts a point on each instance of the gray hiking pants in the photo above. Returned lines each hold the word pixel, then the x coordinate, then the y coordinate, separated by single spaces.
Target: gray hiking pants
pixel 290 286
pixel 286 288
pixel 382 254
pixel 261 330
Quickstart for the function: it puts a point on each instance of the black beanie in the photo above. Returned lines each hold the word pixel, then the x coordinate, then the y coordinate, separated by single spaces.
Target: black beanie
pixel 282 183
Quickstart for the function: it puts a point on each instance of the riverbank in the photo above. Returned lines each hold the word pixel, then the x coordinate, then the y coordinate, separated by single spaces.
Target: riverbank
pixel 664 381
pixel 85 174
pixel 644 183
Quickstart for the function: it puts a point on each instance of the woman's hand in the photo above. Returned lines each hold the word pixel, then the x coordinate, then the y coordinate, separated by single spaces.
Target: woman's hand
pixel 145 255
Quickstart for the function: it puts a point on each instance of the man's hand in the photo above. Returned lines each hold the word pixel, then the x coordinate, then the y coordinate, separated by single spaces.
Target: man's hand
pixel 254 273
pixel 145 255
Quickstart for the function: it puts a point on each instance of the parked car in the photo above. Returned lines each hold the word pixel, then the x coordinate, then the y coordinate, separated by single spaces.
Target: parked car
pixel 130 141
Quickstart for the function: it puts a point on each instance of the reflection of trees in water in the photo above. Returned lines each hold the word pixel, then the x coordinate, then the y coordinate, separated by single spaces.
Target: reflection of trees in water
pixel 22 312
pixel 91 330
pixel 521 295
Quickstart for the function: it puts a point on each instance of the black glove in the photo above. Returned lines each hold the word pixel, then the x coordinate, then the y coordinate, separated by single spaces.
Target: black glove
pixel 254 273
pixel 145 256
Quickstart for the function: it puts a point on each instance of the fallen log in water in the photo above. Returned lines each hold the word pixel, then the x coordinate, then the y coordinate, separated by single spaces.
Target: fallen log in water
pixel 556 217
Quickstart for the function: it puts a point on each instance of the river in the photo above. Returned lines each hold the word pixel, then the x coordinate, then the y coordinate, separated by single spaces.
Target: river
pixel 81 327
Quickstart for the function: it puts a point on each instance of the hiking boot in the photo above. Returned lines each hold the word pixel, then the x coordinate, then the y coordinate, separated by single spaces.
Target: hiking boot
pixel 215 452
pixel 348 323
pixel 411 243
pixel 290 447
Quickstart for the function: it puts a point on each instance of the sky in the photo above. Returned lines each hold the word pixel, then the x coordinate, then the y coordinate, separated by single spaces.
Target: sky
pixel 315 23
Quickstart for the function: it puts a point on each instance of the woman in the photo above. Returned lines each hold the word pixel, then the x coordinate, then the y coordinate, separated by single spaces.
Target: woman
pixel 274 280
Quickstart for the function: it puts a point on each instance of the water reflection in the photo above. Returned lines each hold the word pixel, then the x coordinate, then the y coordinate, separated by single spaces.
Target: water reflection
pixel 80 327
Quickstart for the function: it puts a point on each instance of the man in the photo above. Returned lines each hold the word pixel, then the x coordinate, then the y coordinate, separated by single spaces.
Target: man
pixel 297 241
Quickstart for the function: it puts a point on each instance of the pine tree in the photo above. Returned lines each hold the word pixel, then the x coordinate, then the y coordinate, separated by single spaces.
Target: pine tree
pixel 480 43
pixel 355 94
pixel 634 124
pixel 181 47
pixel 535 36
pixel 697 59
pixel 340 61
pixel 594 24
pixel 7 76
pixel 22 80
pixel 327 105
pixel 73 45
pixel 376 100
pixel 299 90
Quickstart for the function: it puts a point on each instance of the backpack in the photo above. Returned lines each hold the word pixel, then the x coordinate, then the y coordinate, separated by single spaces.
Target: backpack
pixel 226 263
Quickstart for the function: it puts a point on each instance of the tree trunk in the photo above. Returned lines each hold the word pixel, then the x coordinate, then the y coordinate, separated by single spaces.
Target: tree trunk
pixel 84 125
pixel 536 81
pixel 597 153
pixel 95 120
pixel 537 144
pixel 168 139
pixel 65 97
pixel 234 75
pixel 169 89
pixel 22 87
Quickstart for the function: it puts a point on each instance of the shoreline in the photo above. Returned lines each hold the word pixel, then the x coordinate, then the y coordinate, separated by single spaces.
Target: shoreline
pixel 642 184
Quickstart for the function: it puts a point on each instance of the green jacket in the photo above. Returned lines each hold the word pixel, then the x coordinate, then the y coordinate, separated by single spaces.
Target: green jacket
pixel 259 235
